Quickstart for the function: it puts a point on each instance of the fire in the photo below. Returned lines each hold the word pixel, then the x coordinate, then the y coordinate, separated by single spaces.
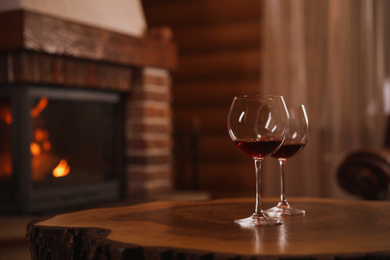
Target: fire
pixel 35 149
pixel 5 114
pixel 46 145
pixel 41 135
pixel 35 111
pixel 8 119
pixel 62 169
pixel 43 160
pixel 41 142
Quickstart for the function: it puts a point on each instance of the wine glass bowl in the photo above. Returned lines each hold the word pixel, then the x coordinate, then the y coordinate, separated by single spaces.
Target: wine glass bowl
pixel 295 141
pixel 258 125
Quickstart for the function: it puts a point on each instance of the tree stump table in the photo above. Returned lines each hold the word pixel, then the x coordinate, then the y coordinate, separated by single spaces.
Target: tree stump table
pixel 331 229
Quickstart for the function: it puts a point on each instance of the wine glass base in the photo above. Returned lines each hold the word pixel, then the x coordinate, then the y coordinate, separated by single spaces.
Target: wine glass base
pixel 258 220
pixel 284 211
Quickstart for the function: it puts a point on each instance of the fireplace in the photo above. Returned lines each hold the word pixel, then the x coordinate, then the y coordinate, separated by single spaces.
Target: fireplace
pixel 65 144
pixel 82 119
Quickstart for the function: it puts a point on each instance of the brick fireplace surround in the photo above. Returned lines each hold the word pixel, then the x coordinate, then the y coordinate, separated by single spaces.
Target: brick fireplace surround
pixel 41 50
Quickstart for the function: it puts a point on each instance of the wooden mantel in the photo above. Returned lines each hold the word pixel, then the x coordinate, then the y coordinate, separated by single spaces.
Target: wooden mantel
pixel 25 30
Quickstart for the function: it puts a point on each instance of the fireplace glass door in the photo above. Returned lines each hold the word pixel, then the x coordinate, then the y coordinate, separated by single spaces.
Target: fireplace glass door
pixel 62 147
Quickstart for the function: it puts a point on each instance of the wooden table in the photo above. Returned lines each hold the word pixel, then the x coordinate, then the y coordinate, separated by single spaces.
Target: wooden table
pixel 205 230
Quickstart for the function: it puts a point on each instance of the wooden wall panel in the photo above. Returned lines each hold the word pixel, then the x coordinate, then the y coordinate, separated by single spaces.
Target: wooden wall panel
pixel 196 66
pixel 219 47
pixel 178 13
pixel 224 89
pixel 208 121
pixel 219 36
pixel 218 148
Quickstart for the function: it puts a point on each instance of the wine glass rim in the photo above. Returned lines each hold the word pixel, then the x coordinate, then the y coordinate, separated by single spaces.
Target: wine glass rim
pixel 254 96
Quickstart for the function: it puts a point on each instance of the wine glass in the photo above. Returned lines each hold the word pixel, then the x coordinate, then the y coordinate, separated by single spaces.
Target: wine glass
pixel 258 125
pixel 296 140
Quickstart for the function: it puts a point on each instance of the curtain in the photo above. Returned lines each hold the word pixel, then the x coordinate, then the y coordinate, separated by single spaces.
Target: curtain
pixel 333 57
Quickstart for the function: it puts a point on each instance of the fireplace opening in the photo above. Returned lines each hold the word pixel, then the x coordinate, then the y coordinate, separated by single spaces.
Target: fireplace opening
pixel 61 148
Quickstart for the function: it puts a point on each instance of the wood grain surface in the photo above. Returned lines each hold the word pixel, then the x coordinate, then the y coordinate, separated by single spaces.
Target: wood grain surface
pixel 170 230
pixel 52 35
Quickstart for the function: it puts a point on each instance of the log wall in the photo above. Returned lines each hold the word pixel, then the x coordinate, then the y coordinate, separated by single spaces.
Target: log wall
pixel 219 57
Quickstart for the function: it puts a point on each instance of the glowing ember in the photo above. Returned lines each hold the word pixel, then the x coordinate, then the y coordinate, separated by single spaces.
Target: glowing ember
pixel 62 169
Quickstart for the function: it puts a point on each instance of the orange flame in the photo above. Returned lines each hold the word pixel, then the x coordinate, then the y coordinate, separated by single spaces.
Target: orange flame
pixel 8 119
pixel 62 169
pixel 41 142
pixel 39 107
pixel 5 114
pixel 46 145
pixel 35 149
pixel 41 135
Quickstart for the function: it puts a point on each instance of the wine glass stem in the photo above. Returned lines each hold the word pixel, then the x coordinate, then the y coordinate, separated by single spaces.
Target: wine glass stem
pixel 258 208
pixel 282 164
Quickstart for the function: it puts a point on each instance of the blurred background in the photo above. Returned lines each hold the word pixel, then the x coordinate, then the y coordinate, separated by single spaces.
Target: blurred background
pixel 332 56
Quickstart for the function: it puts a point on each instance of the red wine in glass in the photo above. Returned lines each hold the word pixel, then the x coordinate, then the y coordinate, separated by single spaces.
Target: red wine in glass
pixel 258 125
pixel 288 150
pixel 259 148
pixel 295 141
